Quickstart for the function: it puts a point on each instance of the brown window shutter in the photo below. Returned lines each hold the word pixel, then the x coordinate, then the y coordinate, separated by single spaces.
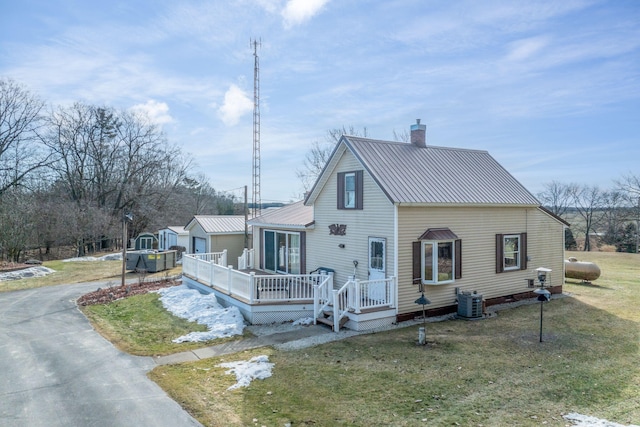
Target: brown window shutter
pixel 303 252
pixel 359 190
pixel 417 263
pixel 340 190
pixel 523 251
pixel 499 253
pixel 458 256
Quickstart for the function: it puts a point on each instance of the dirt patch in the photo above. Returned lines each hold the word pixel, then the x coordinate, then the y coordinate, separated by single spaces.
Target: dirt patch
pixel 6 267
pixel 112 293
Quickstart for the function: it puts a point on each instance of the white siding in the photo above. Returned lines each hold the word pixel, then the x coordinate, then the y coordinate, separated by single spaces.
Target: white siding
pixel 374 220
pixel 477 227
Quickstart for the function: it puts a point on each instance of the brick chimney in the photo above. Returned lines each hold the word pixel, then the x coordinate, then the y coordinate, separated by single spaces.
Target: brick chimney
pixel 419 134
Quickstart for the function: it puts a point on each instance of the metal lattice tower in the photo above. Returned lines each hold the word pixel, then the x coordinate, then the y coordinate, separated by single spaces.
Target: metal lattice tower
pixel 255 182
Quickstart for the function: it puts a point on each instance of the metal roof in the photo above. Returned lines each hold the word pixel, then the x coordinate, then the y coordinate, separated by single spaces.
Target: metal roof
pixel 178 229
pixel 295 215
pixel 218 224
pixel 438 234
pixel 437 175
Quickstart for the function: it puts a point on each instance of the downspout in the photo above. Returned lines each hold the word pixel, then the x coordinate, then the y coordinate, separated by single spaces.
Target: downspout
pixel 395 255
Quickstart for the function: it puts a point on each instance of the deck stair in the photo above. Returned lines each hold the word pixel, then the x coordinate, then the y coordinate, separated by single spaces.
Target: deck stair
pixel 326 318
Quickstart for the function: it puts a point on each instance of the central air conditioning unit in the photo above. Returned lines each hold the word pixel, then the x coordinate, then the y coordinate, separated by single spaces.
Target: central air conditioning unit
pixel 470 305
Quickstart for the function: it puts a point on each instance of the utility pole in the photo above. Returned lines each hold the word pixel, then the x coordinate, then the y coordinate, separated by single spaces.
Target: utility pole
pixel 246 219
pixel 257 203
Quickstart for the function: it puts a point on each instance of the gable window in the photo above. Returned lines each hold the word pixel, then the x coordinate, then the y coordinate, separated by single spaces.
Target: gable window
pixel 350 190
pixel 511 252
pixel 437 257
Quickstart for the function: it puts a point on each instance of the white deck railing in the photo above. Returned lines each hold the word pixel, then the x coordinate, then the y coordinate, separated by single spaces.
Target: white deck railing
pixel 250 286
pixel 245 261
pixel 355 296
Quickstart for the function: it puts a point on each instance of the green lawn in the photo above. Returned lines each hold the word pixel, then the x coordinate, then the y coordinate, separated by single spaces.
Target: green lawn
pixel 492 372
pixel 78 272
pixel 140 325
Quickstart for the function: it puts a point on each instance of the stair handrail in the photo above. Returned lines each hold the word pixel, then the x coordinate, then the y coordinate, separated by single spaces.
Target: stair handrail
pixel 321 292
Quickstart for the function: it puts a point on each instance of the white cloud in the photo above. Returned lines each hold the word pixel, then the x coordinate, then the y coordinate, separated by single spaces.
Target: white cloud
pixel 525 48
pixel 158 112
pixel 298 11
pixel 236 104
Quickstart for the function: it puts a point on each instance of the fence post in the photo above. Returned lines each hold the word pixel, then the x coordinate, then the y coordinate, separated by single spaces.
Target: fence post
pixel 358 300
pixel 316 302
pixel 229 279
pixel 211 274
pixel 336 311
pixel 224 257
pixel 252 286
pixel 392 291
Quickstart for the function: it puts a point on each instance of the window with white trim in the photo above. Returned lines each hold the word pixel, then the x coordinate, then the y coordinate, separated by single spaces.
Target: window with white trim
pixel 511 252
pixel 437 257
pixel 438 262
pixel 350 188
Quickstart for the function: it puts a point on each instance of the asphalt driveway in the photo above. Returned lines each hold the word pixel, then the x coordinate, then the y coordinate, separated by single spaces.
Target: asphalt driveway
pixel 55 370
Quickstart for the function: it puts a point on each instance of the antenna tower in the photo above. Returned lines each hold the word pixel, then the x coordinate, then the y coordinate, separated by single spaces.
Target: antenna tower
pixel 255 182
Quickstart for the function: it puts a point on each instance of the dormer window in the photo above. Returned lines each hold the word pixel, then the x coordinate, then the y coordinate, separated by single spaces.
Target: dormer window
pixel 350 190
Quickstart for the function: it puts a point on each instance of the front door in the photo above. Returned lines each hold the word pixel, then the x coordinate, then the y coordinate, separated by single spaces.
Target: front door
pixel 377 267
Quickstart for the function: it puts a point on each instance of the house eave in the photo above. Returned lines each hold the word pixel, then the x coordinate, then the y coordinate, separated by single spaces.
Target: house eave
pixel 284 226
pixel 467 205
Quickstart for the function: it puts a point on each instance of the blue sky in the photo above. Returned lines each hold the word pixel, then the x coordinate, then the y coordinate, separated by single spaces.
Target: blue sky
pixel 550 88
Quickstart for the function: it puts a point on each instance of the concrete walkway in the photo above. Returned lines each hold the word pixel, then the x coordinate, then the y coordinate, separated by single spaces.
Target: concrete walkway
pixel 304 332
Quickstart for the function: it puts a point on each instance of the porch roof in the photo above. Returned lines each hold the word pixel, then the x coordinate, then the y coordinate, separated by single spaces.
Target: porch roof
pixel 293 216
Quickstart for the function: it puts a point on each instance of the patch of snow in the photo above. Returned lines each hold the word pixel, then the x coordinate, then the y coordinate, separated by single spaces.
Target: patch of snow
pixel 306 321
pixel 26 273
pixel 190 304
pixel 587 421
pixel 108 257
pixel 257 367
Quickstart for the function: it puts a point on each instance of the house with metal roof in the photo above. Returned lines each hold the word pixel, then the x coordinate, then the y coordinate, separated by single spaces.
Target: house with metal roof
pixel 443 221
pixel 391 230
pixel 216 233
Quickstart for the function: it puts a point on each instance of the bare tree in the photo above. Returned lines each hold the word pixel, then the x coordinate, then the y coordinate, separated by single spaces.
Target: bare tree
pixel 557 197
pixel 319 153
pixel 589 203
pixel 110 162
pixel 16 233
pixel 630 185
pixel 20 124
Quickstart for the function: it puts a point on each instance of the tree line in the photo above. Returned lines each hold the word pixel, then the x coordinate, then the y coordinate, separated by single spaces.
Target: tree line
pixel 597 216
pixel 69 174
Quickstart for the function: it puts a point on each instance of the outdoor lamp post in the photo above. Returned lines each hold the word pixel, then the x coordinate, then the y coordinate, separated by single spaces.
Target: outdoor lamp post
pixel 422 334
pixel 543 294
pixel 125 219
